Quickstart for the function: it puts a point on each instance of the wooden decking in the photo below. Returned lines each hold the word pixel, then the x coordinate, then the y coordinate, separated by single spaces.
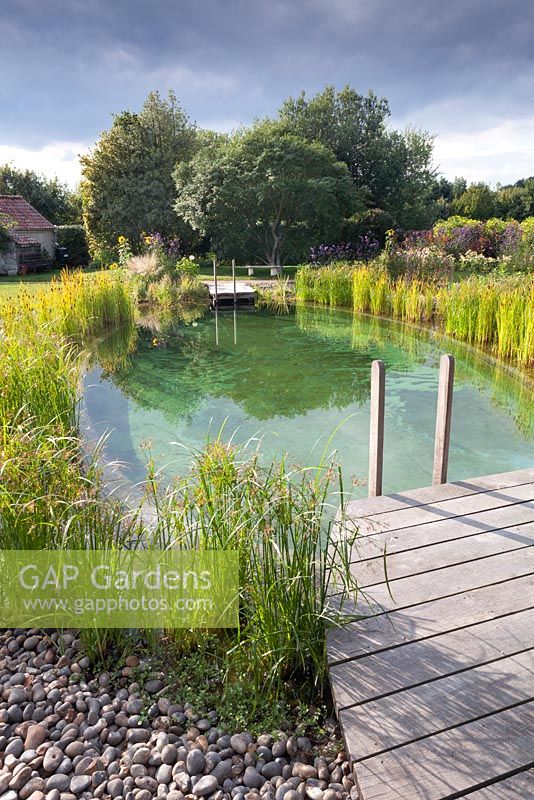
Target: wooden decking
pixel 435 687
pixel 244 292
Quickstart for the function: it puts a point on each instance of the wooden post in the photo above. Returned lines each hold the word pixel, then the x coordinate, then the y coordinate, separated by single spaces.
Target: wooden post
pixel 376 438
pixel 215 281
pixel 233 278
pixel 443 420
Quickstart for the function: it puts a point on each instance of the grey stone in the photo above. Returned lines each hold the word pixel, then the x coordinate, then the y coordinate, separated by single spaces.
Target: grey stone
pixel 304 771
pixel 314 793
pixel 17 695
pixel 195 762
pixel 239 742
pixel 79 783
pixel 15 748
pixel 52 759
pixel 223 770
pixel 169 754
pixel 137 735
pixel 141 756
pixel 147 783
pixel 205 786
pixel 153 686
pixel 11 795
pixel 164 774
pixel 279 749
pixel 21 778
pixel 272 769
pixel 252 778
pixel 58 781
pixel 90 733
pixel 115 787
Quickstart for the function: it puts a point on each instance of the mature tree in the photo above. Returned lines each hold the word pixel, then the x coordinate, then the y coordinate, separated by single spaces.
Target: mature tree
pixel 517 201
pixel 265 194
pixel 477 202
pixel 50 197
pixel 127 184
pixel 393 168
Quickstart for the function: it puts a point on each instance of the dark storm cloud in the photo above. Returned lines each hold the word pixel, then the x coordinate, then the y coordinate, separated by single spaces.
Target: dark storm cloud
pixel 65 65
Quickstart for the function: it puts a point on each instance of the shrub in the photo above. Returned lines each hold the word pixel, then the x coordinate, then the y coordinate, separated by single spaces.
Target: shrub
pixel 474 262
pixel 362 248
pixel 74 239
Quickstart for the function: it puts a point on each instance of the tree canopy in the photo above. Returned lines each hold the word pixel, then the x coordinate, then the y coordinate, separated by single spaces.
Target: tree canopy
pixel 392 168
pixel 265 194
pixel 127 184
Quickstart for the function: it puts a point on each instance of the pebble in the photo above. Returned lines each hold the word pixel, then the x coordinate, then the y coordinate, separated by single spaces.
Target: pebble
pixel 195 762
pixel 153 686
pixel 205 786
pixel 65 735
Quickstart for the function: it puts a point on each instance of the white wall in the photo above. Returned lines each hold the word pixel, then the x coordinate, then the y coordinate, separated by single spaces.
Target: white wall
pixel 8 260
pixel 46 238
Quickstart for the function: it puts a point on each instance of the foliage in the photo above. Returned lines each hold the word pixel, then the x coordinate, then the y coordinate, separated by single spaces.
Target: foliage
pixel 477 202
pixel 5 232
pixel 50 198
pixel 45 498
pixel 417 259
pixel 264 194
pixel 124 250
pixel 127 185
pixel 497 313
pixel 280 520
pixel 74 239
pixel 392 168
pixel 363 248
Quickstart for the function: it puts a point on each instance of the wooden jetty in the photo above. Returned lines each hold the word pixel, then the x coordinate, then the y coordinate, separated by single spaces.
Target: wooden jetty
pixel 229 292
pixel 225 293
pixel 434 687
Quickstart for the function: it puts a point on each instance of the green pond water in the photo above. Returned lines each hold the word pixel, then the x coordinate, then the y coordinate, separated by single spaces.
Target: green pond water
pixel 292 379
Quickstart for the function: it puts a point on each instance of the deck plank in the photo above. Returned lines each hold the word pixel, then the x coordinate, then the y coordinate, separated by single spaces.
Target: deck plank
pixel 395 720
pixel 437 616
pixel 446 530
pixel 441 555
pixel 385 672
pixel 446 509
pixel 517 787
pixel 453 761
pixel 454 580
pixel 434 686
pixel 430 494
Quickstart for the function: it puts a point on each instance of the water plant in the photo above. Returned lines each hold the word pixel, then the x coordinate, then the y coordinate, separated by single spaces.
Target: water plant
pixel 494 311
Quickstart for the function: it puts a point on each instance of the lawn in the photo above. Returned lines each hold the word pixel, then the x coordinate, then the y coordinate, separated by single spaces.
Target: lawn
pixel 10 285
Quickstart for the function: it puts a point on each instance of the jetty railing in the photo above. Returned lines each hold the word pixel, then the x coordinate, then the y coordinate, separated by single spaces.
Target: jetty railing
pixel 442 436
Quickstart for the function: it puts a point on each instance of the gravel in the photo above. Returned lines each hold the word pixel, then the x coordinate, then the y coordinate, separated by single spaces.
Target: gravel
pixel 65 736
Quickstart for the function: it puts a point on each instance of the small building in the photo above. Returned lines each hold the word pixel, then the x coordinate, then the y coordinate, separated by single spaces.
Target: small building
pixel 32 237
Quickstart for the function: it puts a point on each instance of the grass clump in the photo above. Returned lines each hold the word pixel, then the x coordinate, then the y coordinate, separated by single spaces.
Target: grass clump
pixel 495 312
pixel 281 521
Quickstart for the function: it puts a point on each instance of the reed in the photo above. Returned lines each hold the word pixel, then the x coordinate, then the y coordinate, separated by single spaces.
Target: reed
pixel 497 313
pixel 280 520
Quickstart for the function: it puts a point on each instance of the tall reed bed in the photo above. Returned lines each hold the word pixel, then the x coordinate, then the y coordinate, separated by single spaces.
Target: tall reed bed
pixel 46 499
pixel 496 313
pixel 280 519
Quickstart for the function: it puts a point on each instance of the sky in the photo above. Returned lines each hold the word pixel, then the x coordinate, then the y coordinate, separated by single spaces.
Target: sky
pixel 460 69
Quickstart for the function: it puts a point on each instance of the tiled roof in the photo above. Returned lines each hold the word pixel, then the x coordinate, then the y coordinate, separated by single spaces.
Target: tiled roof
pixel 22 213
pixel 19 239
